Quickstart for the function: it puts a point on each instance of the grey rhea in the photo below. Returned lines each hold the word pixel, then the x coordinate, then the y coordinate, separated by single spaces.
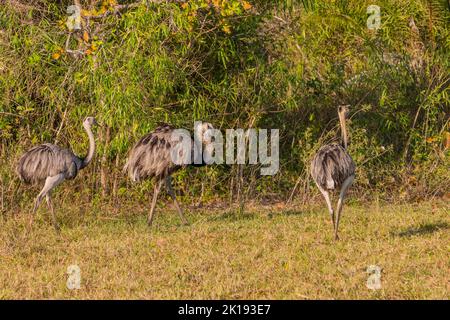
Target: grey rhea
pixel 53 164
pixel 332 169
pixel 151 157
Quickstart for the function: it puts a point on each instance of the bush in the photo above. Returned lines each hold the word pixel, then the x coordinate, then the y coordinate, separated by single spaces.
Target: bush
pixel 234 63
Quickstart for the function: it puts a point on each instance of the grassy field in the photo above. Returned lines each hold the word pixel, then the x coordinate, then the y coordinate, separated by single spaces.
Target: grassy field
pixel 269 252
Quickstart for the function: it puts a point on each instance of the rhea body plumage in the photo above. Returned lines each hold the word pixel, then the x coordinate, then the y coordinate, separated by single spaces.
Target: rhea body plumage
pixel 52 164
pixel 333 169
pixel 152 157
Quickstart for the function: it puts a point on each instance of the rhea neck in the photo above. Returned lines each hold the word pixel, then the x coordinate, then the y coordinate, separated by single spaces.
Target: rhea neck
pixel 343 129
pixel 91 150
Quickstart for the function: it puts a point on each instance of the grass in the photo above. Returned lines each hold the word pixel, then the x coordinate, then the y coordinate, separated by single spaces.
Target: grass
pixel 268 253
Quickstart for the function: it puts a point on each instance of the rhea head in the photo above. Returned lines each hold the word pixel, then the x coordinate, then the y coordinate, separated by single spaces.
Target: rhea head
pixel 90 121
pixel 200 131
pixel 344 110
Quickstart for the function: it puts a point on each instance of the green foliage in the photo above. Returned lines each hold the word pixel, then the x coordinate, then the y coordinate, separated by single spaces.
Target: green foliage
pixel 284 65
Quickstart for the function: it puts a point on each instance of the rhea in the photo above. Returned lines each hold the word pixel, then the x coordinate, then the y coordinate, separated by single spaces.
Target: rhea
pixel 52 165
pixel 152 157
pixel 333 169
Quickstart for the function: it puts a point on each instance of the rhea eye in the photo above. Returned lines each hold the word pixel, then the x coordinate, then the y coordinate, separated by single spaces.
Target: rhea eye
pixel 213 139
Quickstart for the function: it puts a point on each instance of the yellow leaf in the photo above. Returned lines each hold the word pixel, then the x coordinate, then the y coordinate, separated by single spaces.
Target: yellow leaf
pixel 88 51
pixel 246 5
pixel 184 5
pixel 447 140
pixel 86 36
pixel 226 29
pixel 56 55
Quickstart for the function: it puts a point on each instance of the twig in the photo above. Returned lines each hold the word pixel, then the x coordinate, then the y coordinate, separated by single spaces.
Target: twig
pixel 294 189
pixel 11 114
pixel 60 126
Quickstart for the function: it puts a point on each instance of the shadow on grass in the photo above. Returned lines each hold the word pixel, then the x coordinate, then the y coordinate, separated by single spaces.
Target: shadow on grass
pixel 296 212
pixel 422 230
pixel 232 215
pixel 265 213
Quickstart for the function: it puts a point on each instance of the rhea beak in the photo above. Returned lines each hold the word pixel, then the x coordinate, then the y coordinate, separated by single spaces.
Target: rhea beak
pixel 344 110
pixel 347 110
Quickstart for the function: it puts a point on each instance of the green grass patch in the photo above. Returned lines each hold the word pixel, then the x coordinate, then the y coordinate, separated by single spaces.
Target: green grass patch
pixel 287 254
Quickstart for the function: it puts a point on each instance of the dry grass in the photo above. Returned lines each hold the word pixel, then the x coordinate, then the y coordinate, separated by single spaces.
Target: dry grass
pixel 268 253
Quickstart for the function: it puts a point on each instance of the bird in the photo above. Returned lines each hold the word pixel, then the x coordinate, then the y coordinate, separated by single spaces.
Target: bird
pixel 52 164
pixel 333 169
pixel 151 157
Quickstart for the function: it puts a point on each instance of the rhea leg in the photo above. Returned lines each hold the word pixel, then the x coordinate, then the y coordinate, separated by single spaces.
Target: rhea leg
pixel 344 190
pixel 37 202
pixel 326 195
pixel 50 184
pixel 52 210
pixel 156 190
pixel 172 194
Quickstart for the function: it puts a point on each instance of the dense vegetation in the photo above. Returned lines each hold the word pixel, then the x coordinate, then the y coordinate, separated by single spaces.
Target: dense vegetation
pixel 236 64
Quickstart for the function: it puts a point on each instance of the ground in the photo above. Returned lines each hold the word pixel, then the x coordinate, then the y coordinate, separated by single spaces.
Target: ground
pixel 266 253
